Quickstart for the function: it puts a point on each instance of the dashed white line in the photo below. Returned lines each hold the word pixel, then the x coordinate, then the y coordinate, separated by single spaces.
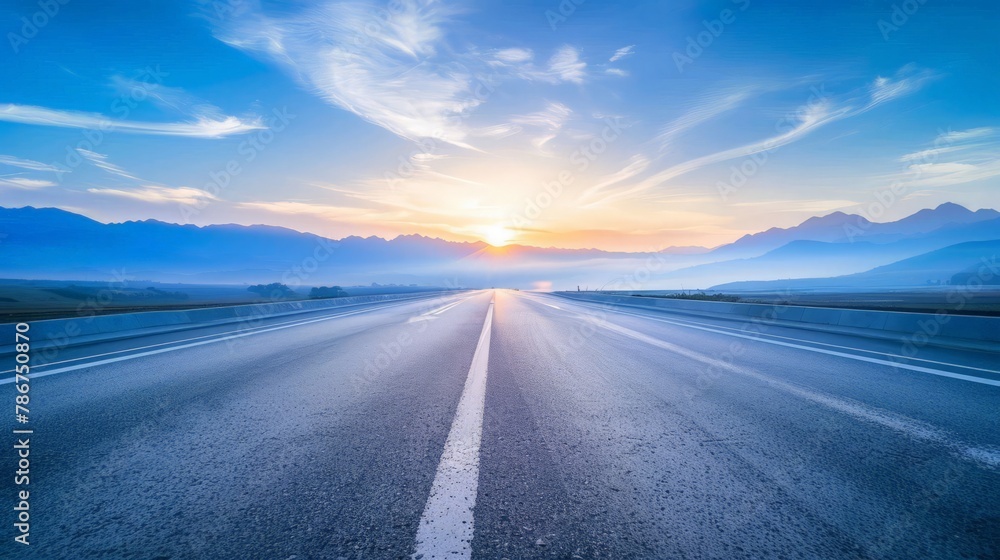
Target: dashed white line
pixel 446 526
pixel 444 308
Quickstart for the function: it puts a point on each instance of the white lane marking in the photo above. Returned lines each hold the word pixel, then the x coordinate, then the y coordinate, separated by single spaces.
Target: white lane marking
pixel 190 345
pixel 687 322
pixel 444 308
pixel 911 367
pixel 446 526
pixel 538 300
pixel 246 330
pixel 985 456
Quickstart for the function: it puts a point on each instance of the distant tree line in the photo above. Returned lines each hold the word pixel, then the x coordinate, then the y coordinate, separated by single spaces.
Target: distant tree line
pixel 276 291
pixel 326 292
pixel 272 291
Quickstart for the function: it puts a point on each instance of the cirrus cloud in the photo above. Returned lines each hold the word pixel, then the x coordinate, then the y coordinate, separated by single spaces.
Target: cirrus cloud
pixel 159 195
pixel 201 127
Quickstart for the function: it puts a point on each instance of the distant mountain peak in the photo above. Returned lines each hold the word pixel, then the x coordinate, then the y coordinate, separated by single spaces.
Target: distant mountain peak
pixel 834 218
pixel 949 208
pixel 949 205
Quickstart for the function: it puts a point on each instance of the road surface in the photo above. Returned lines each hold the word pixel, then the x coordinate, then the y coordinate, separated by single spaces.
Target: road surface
pixel 509 425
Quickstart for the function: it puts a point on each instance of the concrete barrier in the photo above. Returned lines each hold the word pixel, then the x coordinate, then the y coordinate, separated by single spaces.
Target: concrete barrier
pixel 918 329
pixel 61 333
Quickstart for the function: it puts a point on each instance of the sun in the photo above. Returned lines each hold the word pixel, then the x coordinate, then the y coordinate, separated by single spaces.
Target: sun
pixel 497 235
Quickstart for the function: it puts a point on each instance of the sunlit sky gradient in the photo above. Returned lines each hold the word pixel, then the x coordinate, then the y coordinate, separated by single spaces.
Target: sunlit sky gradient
pixel 453 119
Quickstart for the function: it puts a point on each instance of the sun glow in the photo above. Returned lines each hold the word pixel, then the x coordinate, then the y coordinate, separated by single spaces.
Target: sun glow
pixel 497 235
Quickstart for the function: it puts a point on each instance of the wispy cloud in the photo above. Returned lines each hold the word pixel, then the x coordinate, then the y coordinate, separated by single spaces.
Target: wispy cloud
pixel 338 215
pixel 622 53
pixel 385 70
pixel 549 120
pixel 564 66
pixel 202 127
pixel 818 112
pixel 159 195
pixel 552 117
pixel 498 130
pixel 616 72
pixel 713 107
pixel 567 66
pixel 947 167
pixel 945 175
pixel 291 207
pixel 14 161
pixel 954 141
pixel 957 157
pixel 18 180
pixel 809 118
pixel 636 165
pixel 966 135
pixel 929 153
pixel 26 183
pixel 781 206
pixel 906 81
pixel 101 161
pixel 174 99
pixel 514 55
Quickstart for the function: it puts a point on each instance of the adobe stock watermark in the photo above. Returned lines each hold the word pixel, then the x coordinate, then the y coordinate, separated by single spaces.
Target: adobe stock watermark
pixel 750 165
pixel 597 318
pixel 714 28
pixel 86 312
pixel 218 11
pixel 581 159
pixel 247 152
pixel 900 16
pixel 562 12
pixel 729 360
pixel 144 82
pixel 293 277
pixel 32 25
pixel 986 273
pixel 390 350
pixel 918 507
pixel 887 197
pixel 428 147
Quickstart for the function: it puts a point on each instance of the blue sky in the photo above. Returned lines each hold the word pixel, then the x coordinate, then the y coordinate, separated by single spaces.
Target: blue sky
pixel 633 126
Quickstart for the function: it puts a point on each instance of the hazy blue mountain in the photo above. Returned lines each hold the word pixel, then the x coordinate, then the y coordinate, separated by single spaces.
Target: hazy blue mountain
pixel 816 259
pixel 971 263
pixel 932 219
pixel 47 243
pixel 839 227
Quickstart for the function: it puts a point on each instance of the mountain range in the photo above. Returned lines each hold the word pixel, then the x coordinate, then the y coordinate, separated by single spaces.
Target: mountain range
pixel 971 265
pixel 49 243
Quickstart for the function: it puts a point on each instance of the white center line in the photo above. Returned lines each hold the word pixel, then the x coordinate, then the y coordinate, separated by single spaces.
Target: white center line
pixel 446 527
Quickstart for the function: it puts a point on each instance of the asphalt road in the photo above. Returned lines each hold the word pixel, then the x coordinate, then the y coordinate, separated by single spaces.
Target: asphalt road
pixel 508 425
